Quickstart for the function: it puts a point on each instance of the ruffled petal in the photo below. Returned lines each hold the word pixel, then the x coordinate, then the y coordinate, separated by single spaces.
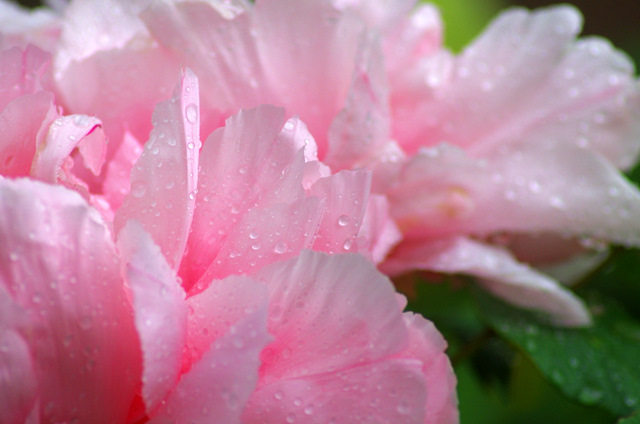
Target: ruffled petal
pixel 160 312
pixel 23 126
pixel 378 232
pixel 254 162
pixel 314 321
pixel 164 179
pixel 266 235
pixel 361 129
pixel 264 66
pixel 537 187
pixel 392 391
pixel 499 272
pixel 346 196
pixel 426 343
pixel 526 76
pixel 65 134
pixel 60 265
pixel 228 328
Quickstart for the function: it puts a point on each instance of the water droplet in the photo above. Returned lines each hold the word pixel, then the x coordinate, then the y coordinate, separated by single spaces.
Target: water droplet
pixel 534 187
pixel 557 202
pixel 343 220
pixel 171 141
pixel 278 395
pixel 630 401
pixel 253 235
pixel 291 418
pixel 170 184
pixel 297 402
pixel 256 246
pixel 191 145
pixel 347 244
pixel 81 121
pixel 138 189
pixel 281 247
pixel 13 256
pixel 590 395
pixel 289 126
pixel 574 363
pixel 192 113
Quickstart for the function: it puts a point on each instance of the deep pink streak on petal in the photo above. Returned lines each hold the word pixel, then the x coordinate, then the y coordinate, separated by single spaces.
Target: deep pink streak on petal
pixel 314 321
pixel 164 179
pixel 391 391
pixel 246 165
pixel 60 265
pixel 117 180
pixel 227 332
pixel 160 312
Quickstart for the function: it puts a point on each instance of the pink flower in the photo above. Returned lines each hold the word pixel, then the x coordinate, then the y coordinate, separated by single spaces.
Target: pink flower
pixel 511 152
pixel 515 140
pixel 160 325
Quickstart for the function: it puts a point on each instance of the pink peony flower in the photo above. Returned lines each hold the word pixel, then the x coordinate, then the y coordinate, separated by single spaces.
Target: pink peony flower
pixel 511 152
pixel 157 324
pixel 490 160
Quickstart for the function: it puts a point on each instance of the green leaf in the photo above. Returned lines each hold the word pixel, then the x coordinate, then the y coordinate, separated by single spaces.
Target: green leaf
pixel 634 419
pixel 599 365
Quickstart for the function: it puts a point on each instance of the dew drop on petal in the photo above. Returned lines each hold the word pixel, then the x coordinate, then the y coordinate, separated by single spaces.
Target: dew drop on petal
pixel 343 220
pixel 138 189
pixel 192 113
pixel 280 248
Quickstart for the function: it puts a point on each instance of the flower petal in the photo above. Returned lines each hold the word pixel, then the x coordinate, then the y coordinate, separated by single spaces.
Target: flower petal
pixel 362 127
pixel 232 313
pixel 160 312
pixel 23 126
pixel 253 162
pixel 18 383
pixel 392 391
pixel 539 186
pixel 64 135
pixel 378 230
pixel 524 77
pixel 500 273
pixel 427 343
pixel 313 319
pixel 164 179
pixel 346 195
pixel 266 235
pixel 60 265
